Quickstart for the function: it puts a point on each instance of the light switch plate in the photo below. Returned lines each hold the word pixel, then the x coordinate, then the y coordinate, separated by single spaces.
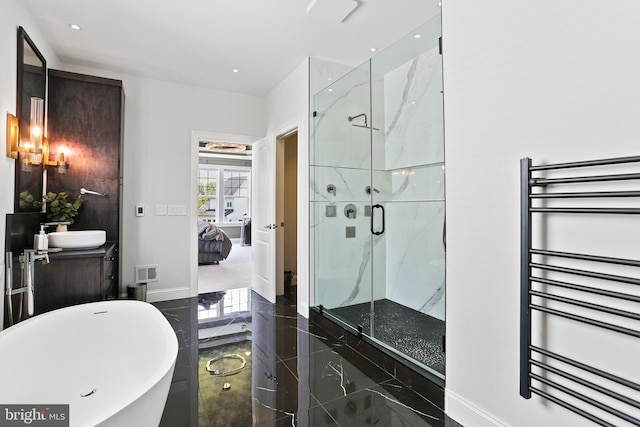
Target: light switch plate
pixel 177 210
pixel 161 210
pixel 139 210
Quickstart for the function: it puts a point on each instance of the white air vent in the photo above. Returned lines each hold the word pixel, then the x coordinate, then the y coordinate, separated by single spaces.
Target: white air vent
pixel 146 273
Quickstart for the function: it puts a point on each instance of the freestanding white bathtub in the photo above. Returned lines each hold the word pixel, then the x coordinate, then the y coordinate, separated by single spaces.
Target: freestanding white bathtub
pixel 111 361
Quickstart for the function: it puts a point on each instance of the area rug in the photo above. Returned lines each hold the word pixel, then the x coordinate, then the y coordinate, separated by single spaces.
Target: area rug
pixel 234 272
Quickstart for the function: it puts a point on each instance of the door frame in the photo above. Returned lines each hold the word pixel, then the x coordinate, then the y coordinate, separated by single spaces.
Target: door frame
pixel 196 136
pixel 278 138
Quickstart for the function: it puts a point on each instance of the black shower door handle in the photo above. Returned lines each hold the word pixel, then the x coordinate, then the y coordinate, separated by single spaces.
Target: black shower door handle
pixel 373 210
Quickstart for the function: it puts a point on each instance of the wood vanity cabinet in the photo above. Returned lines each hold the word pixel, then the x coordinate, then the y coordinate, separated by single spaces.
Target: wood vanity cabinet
pixel 76 277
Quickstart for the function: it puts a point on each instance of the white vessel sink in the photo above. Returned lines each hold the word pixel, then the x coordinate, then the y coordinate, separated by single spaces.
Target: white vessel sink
pixel 82 239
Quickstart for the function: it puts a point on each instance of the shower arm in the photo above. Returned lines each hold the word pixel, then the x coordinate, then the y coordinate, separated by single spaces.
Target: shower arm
pixel 350 118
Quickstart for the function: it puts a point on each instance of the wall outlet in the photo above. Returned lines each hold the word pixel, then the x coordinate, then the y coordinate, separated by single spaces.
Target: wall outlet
pixel 161 210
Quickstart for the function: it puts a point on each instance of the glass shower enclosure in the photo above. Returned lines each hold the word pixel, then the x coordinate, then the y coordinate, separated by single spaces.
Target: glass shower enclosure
pixel 378 200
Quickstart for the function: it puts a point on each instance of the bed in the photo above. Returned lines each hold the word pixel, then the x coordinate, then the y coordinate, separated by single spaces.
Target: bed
pixel 213 244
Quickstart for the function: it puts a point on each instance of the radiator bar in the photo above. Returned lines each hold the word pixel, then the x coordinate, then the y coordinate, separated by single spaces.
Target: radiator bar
pixel 584 304
pixel 588 289
pixel 572 408
pixel 586 320
pixel 622 211
pixel 584 257
pixel 585 273
pixel 587 368
pixel 592 178
pixel 587 399
pixel 585 194
pixel 601 162
pixel 588 384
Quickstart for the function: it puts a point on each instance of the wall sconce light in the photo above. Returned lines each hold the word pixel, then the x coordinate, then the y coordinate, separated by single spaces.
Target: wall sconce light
pixel 60 165
pixel 13 136
pixel 31 150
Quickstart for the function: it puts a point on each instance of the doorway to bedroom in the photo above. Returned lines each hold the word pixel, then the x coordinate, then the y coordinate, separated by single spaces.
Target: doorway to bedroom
pixel 224 215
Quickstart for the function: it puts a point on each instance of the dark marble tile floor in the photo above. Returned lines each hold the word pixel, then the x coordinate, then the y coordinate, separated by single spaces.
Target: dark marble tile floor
pixel 284 370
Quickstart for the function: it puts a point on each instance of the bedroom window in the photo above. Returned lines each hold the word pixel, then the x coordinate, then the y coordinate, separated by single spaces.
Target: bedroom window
pixel 236 194
pixel 224 194
pixel 208 193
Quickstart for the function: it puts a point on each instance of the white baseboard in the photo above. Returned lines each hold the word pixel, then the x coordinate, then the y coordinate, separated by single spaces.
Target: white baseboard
pixel 467 414
pixel 168 294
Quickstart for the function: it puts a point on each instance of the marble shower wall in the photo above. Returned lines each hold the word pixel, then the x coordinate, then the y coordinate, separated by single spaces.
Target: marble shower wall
pixel 400 153
pixel 414 159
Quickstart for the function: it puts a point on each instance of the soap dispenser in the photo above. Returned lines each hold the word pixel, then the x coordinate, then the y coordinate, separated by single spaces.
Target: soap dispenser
pixel 41 240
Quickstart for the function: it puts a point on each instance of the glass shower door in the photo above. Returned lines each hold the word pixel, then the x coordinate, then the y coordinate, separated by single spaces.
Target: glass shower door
pixel 340 174
pixel 408 191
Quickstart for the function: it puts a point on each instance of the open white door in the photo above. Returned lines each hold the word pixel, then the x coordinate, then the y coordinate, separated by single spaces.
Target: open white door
pixel 263 223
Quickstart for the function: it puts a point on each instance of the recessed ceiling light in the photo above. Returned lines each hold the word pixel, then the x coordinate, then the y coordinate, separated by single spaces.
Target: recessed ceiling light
pixel 373 49
pixel 235 70
pixel 330 78
pixel 74 26
pixel 417 36
pixel 330 90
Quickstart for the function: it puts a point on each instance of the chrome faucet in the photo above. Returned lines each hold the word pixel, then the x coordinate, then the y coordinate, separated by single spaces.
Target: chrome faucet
pixel 27 264
pixel 95 193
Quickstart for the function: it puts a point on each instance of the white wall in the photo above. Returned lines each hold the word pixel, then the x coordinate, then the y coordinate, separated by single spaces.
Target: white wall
pixel 287 107
pixel 554 81
pixel 159 119
pixel 14 14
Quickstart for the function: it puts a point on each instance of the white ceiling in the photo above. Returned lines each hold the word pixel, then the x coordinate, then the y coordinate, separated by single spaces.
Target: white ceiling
pixel 200 42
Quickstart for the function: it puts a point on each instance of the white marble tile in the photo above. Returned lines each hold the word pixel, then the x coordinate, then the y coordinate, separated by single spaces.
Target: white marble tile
pixel 338 141
pixel 343 265
pixel 350 184
pixel 417 183
pixel 415 260
pixel 413 113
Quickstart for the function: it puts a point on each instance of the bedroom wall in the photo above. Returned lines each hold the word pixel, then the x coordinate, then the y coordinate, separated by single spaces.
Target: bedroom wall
pixel 14 14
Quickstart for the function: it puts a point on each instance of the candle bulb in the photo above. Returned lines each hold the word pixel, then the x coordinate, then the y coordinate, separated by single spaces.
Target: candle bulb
pixel 61 155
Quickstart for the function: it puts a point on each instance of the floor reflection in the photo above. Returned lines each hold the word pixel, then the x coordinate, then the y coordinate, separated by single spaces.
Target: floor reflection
pixel 281 370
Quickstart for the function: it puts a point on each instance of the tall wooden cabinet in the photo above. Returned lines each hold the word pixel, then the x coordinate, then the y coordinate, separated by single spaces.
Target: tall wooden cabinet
pixel 85 117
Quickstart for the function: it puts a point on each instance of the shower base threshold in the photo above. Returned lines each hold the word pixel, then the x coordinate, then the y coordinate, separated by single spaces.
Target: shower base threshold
pixel 414 334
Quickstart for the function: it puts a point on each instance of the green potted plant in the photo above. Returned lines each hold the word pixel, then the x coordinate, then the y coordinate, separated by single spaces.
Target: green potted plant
pixel 62 209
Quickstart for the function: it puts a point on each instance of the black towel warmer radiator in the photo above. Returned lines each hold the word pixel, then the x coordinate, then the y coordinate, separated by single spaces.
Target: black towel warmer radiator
pixel 537 295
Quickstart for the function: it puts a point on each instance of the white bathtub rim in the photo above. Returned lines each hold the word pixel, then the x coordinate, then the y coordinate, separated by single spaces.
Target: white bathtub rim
pixel 130 395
